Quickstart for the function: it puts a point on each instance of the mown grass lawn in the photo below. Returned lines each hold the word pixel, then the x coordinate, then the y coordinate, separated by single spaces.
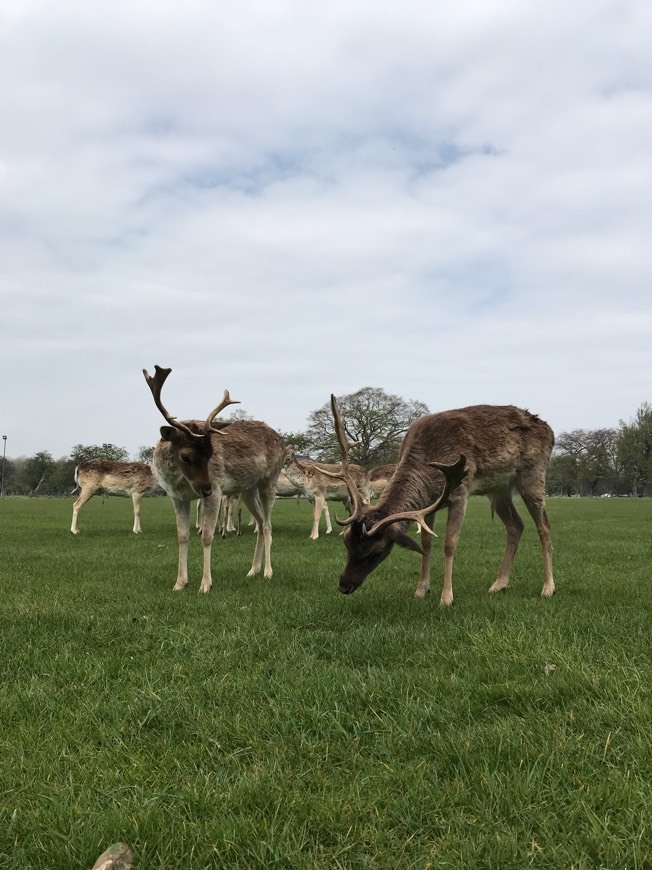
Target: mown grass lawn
pixel 280 724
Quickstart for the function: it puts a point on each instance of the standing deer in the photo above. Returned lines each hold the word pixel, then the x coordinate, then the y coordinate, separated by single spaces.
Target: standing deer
pixel 500 448
pixel 117 478
pixel 321 483
pixel 286 489
pixel 197 459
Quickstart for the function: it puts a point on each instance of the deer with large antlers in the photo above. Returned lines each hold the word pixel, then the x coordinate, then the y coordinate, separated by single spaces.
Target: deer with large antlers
pixel 484 449
pixel 196 459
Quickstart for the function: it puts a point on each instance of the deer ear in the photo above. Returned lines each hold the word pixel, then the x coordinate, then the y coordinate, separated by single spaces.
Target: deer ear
pixel 403 540
pixel 169 433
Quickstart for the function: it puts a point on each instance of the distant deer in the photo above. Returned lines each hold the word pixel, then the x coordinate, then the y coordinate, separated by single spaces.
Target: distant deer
pixel 499 449
pixel 379 477
pixel 286 489
pixel 117 478
pixel 321 482
pixel 197 459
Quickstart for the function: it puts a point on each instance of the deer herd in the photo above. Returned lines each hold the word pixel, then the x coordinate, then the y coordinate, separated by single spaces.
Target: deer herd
pixel 492 450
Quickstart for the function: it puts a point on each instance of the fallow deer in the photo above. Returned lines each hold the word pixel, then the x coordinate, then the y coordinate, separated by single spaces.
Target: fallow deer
pixel 286 489
pixel 497 448
pixel 321 482
pixel 197 459
pixel 116 478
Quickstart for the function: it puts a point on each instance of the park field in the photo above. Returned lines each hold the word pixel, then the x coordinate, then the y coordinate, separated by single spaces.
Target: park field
pixel 277 723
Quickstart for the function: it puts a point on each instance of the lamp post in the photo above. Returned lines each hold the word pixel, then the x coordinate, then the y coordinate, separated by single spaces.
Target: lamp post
pixel 4 453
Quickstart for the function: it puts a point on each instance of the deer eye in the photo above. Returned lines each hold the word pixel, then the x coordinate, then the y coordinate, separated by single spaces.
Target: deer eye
pixel 185 459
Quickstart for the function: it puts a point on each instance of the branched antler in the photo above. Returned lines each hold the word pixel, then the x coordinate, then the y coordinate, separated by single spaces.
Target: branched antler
pixel 227 400
pixel 454 475
pixel 156 384
pixel 354 492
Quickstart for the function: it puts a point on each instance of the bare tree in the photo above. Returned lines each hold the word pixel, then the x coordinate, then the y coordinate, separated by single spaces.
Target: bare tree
pixel 375 421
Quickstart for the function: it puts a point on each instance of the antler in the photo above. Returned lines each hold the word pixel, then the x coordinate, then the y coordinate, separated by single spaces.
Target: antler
pixel 454 475
pixel 227 400
pixel 155 384
pixel 356 498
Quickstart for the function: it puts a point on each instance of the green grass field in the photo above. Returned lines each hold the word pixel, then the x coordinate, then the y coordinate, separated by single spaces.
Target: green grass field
pixel 277 723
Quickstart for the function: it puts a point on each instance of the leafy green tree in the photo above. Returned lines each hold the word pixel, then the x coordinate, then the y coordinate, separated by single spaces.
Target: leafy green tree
pixel 82 452
pixel 591 459
pixel 9 476
pixel 562 478
pixel 61 480
pixel 145 454
pixel 374 419
pixel 635 451
pixel 35 470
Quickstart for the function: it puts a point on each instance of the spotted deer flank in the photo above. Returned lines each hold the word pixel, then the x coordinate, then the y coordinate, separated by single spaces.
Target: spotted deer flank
pixel 115 478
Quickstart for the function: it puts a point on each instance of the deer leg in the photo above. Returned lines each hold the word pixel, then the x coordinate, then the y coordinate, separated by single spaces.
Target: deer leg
pixel 318 506
pixel 327 516
pixel 268 494
pixel 535 505
pixel 454 522
pixel 210 511
pixel 423 587
pixel 230 505
pixel 182 513
pixel 260 506
pixel 504 507
pixel 84 496
pixel 222 513
pixel 136 497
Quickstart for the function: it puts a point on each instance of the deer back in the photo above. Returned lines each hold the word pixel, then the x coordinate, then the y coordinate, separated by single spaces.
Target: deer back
pixel 499 441
pixel 115 477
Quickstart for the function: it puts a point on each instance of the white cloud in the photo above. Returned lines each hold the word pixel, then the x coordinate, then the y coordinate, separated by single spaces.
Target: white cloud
pixel 452 203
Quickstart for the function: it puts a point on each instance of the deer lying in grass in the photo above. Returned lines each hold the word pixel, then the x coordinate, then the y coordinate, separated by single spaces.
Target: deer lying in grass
pixel 116 478
pixel 321 483
pixel 197 459
pixel 497 448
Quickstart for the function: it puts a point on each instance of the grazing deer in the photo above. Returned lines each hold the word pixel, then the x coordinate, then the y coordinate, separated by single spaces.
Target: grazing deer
pixel 197 459
pixel 117 478
pixel 321 483
pixel 500 448
pixel 379 477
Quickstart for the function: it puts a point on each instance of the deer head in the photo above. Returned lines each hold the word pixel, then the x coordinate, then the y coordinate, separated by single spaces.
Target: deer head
pixel 370 534
pixel 191 442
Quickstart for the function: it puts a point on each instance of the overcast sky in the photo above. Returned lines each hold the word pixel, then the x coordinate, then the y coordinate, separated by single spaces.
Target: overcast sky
pixel 290 198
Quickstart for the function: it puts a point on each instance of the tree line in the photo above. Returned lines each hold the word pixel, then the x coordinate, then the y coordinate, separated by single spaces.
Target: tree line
pixel 596 462
pixel 589 462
